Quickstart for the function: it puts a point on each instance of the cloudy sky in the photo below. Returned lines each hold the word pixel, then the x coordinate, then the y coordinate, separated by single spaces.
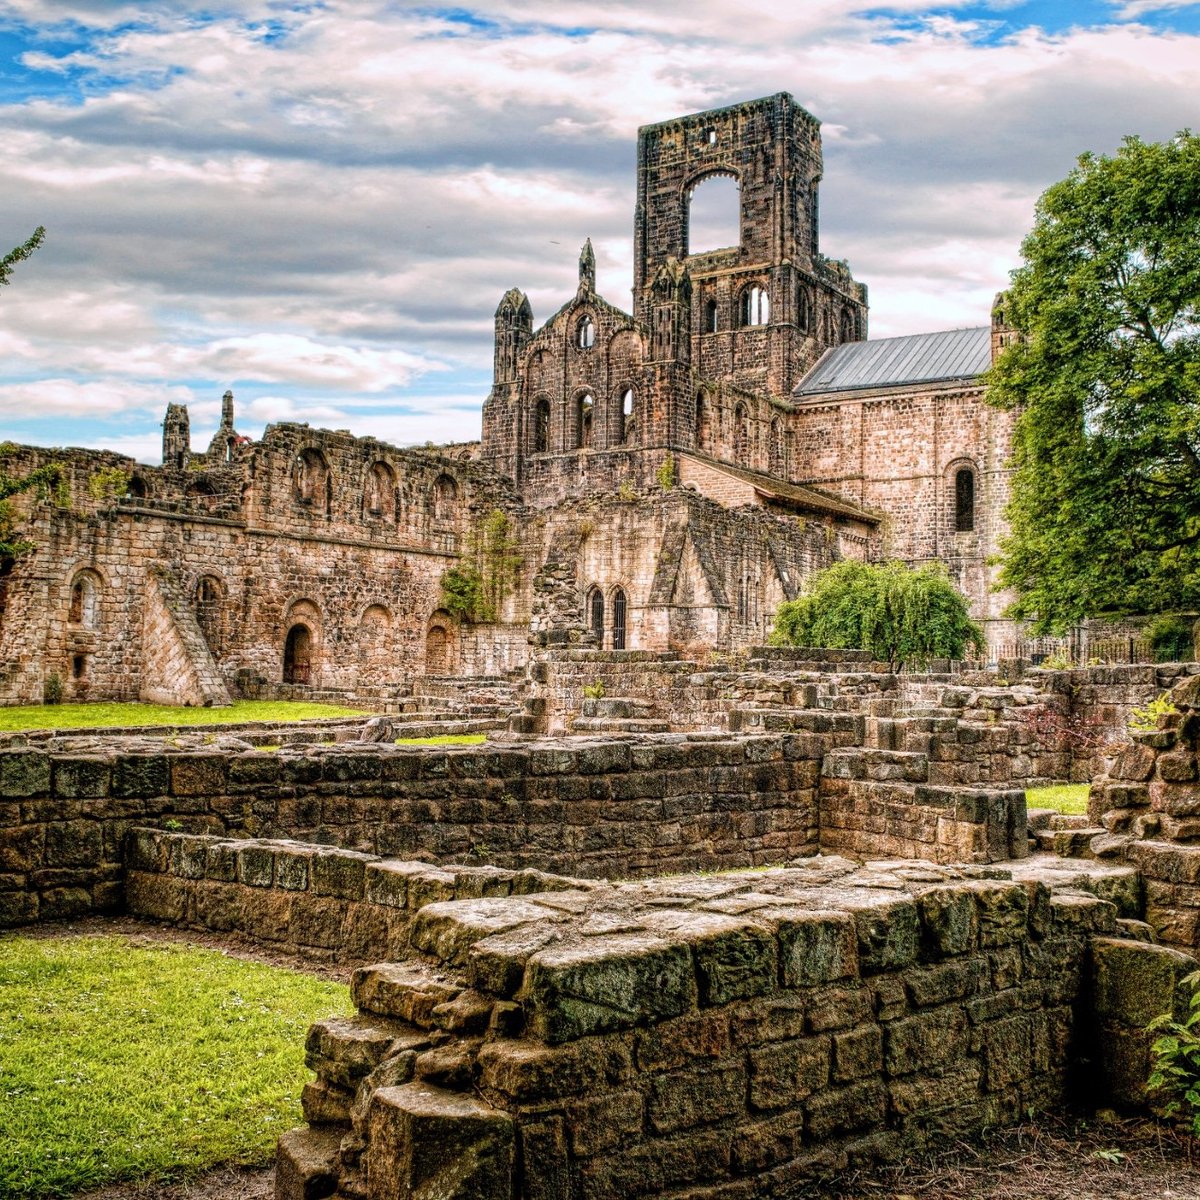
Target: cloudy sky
pixel 319 204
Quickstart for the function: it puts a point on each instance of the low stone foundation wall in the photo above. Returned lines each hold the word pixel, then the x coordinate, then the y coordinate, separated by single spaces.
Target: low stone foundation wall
pixel 582 807
pixel 318 901
pixel 723 1037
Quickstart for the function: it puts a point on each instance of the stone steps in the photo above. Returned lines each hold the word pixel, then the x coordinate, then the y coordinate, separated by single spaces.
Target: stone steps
pixel 615 725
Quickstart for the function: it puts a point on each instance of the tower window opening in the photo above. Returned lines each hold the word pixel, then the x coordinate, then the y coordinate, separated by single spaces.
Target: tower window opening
pixel 756 306
pixel 714 215
pixel 710 317
pixel 585 334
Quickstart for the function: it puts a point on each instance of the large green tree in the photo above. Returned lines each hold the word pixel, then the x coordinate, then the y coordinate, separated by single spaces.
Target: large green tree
pixel 1105 378
pixel 899 614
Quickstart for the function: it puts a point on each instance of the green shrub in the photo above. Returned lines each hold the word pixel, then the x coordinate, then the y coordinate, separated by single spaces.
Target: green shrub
pixel 594 691
pixel 898 614
pixel 1175 1058
pixel 52 688
pixel 1145 720
pixel 463 594
pixel 1170 638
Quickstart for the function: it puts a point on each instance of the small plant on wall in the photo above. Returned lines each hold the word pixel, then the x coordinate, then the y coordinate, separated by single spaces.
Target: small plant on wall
pixel 475 590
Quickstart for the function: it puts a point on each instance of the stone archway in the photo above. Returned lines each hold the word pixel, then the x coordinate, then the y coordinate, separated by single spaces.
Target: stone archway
pixel 297 655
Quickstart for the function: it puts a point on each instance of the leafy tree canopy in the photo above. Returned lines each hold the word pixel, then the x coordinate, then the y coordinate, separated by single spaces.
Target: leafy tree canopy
pixel 899 614
pixel 1105 511
pixel 21 253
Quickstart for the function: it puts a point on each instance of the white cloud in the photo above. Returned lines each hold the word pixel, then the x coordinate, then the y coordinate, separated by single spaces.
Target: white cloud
pixel 331 216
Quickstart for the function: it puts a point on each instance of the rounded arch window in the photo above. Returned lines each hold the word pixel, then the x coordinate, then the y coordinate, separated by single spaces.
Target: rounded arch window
pixel 84 608
pixel 702 421
pixel 756 305
pixel 623 421
pixel 803 309
pixel 585 333
pixel 541 427
pixel 586 414
pixel 136 489
pixel 379 492
pixel 964 500
pixel 445 498
pixel 620 608
pixel 741 432
pixel 595 615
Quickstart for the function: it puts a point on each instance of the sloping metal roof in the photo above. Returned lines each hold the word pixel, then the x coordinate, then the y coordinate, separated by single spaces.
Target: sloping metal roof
pixel 888 362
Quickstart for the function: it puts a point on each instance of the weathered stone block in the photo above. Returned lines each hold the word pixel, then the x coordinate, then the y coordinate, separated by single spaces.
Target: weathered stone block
pixel 198 774
pixel 339 873
pixel 607 983
pixel 343 1050
pixel 784 1073
pixel 684 1099
pixel 406 991
pixel 529 1072
pixel 816 947
pixel 857 1053
pixel 735 958
pixel 81 776
pixel 307 1164
pixel 73 844
pixel 949 924
pixel 888 935
pixel 256 865
pixel 24 773
pixel 140 775
pixel 448 930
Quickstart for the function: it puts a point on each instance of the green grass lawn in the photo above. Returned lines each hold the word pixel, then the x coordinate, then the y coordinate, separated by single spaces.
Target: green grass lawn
pixel 78 716
pixel 1062 797
pixel 145 1060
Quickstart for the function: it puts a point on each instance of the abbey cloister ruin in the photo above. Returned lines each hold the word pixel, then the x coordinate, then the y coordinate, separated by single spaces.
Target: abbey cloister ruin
pixel 703 918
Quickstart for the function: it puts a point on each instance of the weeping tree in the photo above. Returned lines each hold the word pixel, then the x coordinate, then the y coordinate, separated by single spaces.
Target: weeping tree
pixel 901 615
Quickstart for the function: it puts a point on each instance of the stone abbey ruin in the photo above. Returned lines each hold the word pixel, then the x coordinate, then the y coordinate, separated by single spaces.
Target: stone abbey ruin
pixel 703 919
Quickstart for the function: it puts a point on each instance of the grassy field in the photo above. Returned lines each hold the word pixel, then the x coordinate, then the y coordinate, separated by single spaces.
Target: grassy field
pixel 126 1059
pixel 91 716
pixel 1063 797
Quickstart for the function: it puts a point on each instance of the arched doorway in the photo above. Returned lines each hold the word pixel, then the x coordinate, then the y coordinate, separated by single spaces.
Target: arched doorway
pixel 297 655
pixel 440 649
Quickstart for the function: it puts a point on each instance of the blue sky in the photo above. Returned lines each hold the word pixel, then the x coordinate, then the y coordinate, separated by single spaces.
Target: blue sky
pixel 320 204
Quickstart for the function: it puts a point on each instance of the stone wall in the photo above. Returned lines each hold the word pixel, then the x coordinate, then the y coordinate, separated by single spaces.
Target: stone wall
pixel 592 808
pixel 1149 807
pixel 318 901
pixel 702 1037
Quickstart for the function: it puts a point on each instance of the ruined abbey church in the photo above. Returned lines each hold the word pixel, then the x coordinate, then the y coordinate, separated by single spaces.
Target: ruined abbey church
pixel 659 479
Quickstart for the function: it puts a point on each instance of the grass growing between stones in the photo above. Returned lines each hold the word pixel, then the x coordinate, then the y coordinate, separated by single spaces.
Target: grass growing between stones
pixel 122 1059
pixel 91 716
pixel 1062 797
